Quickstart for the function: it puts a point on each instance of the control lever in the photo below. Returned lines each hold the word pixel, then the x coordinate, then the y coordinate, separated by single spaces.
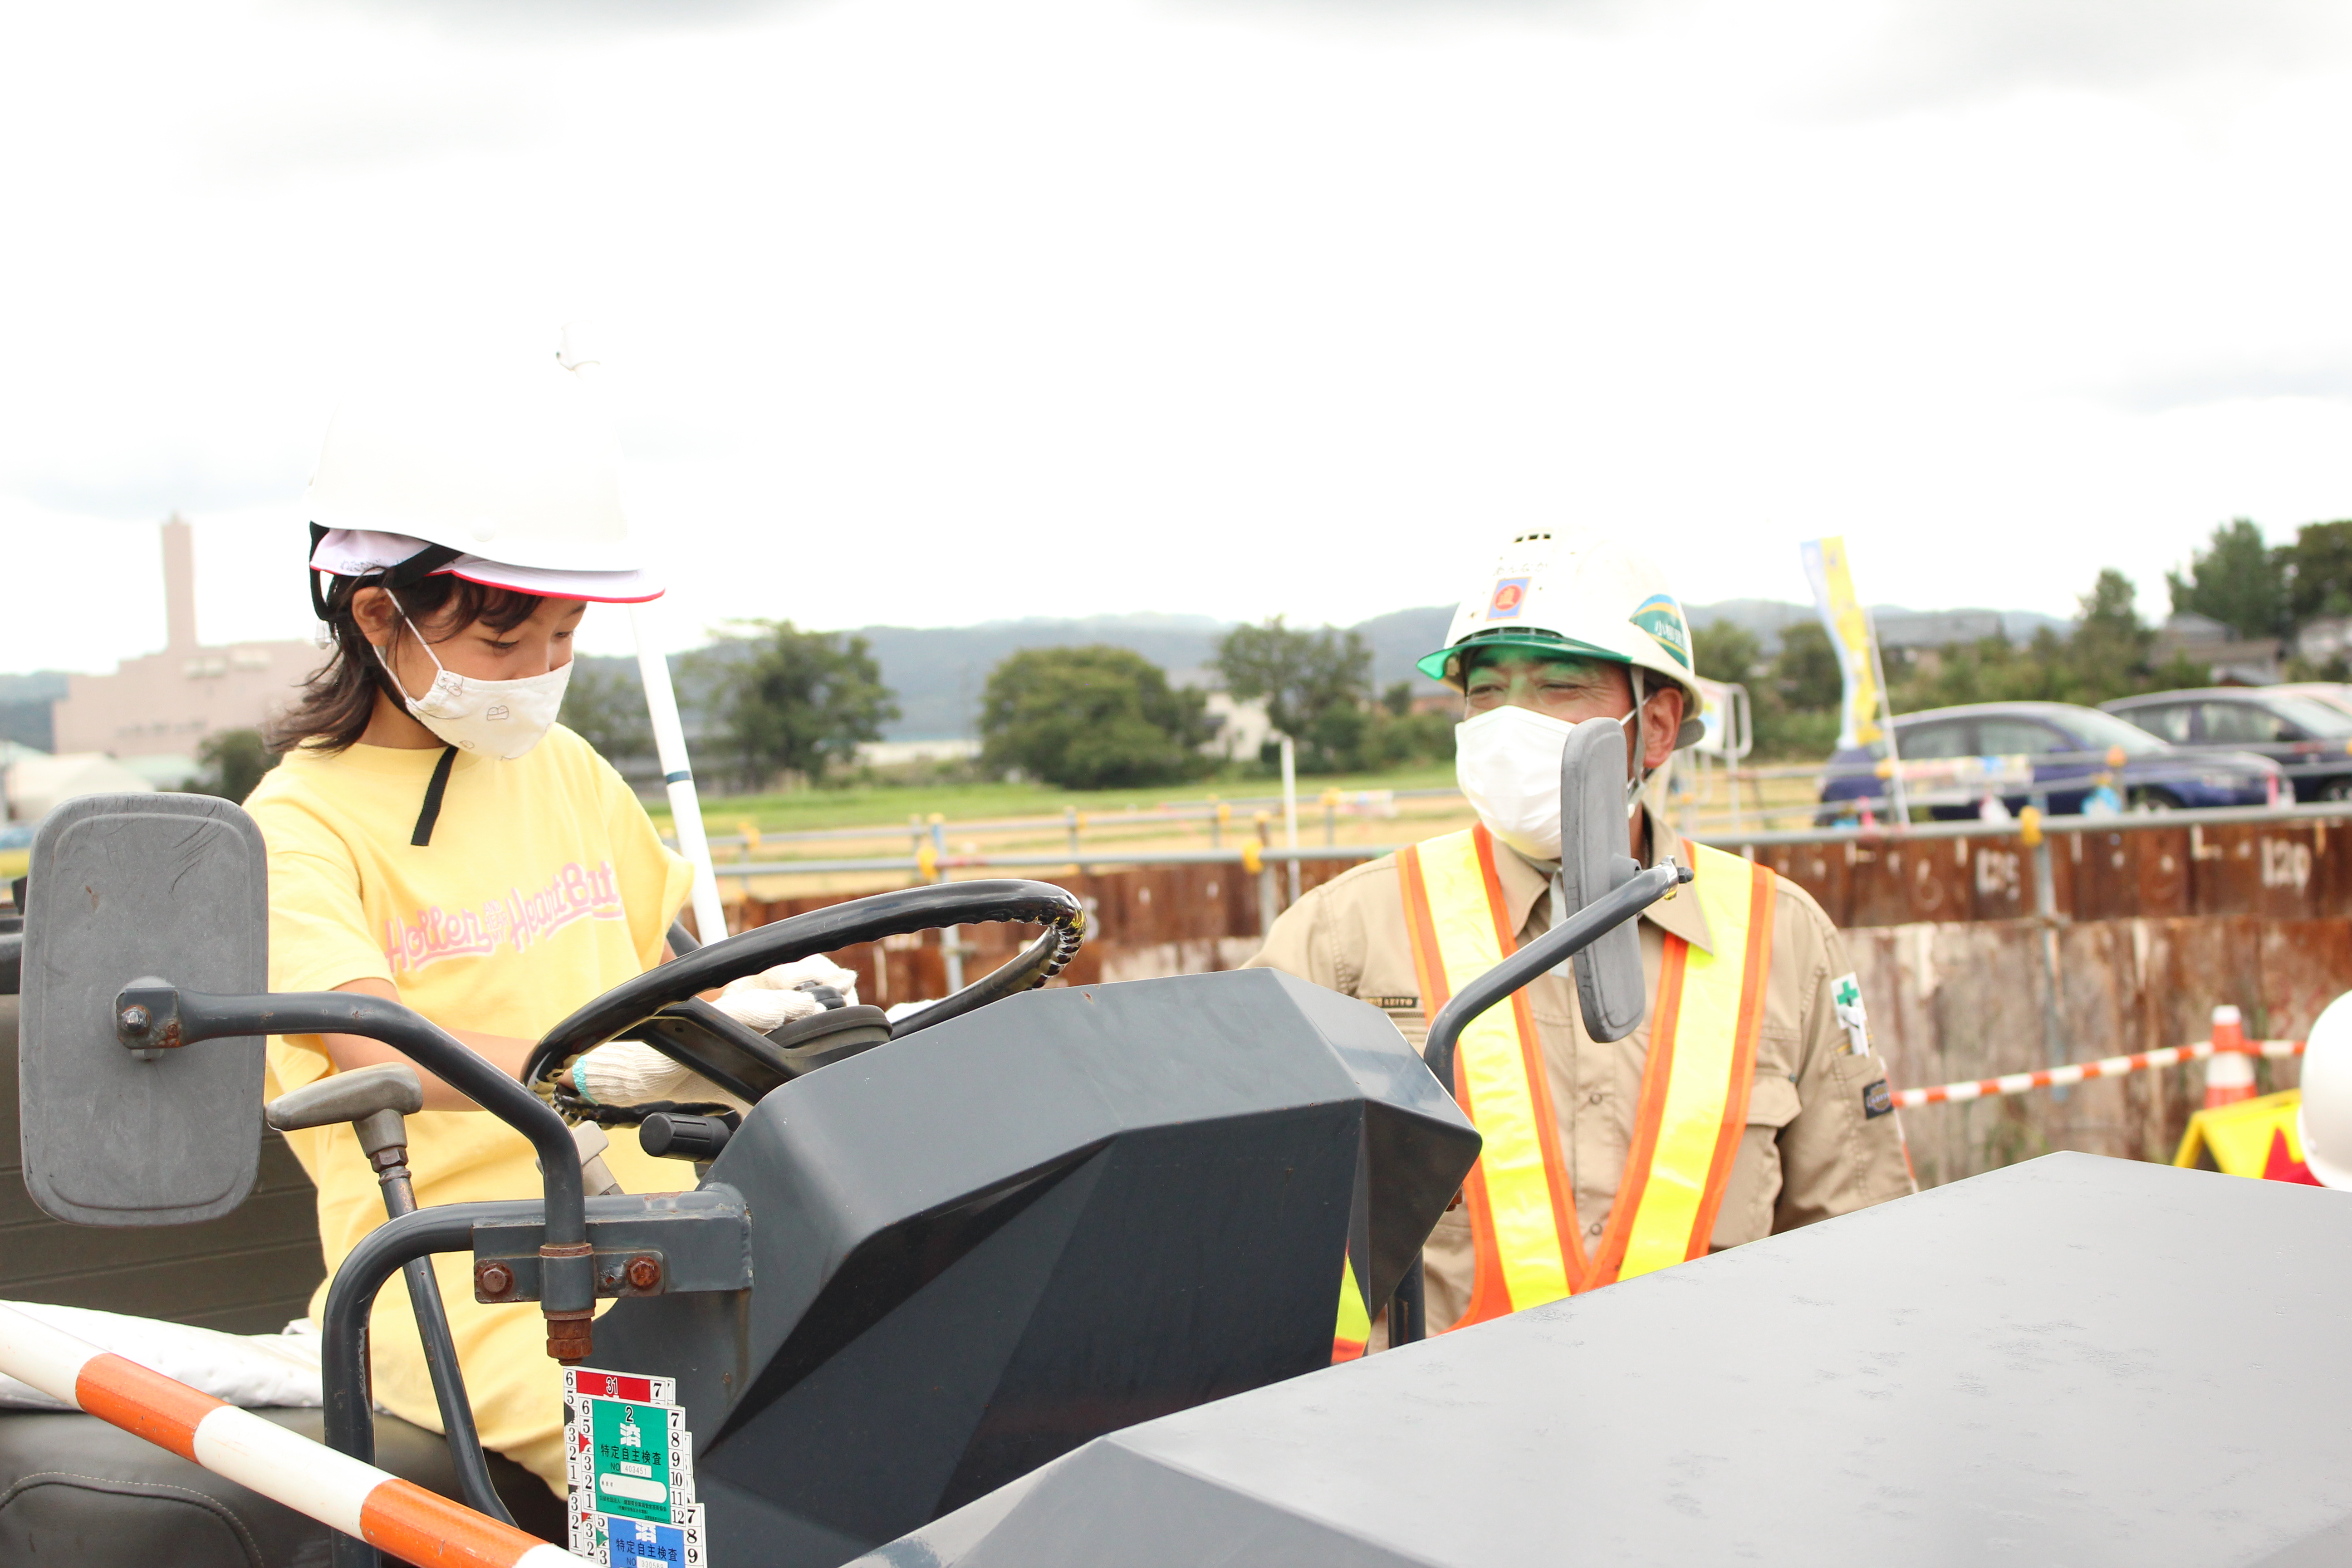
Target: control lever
pixel 671 1134
pixel 376 1101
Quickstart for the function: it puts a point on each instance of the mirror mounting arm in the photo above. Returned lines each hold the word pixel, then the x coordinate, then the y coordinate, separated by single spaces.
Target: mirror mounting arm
pixel 152 1015
pixel 1547 953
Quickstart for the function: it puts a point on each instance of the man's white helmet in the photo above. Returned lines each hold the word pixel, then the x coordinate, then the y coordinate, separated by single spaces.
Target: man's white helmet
pixel 517 464
pixel 2323 1122
pixel 1575 592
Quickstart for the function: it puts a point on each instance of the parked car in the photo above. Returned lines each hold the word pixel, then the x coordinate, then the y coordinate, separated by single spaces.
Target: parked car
pixel 2309 738
pixel 2076 743
pixel 2334 693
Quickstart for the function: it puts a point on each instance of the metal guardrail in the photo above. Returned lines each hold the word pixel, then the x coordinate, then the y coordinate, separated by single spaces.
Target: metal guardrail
pixel 1252 856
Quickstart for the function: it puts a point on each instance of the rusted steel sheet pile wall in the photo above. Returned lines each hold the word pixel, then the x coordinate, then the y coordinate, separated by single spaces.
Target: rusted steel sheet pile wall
pixel 1143 921
pixel 1951 1002
pixel 2284 870
pixel 2153 927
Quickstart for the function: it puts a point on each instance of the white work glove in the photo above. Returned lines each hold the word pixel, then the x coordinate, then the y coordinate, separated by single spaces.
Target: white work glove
pixel 627 1072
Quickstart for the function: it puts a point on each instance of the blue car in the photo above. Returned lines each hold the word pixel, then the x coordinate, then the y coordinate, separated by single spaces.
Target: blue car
pixel 2076 743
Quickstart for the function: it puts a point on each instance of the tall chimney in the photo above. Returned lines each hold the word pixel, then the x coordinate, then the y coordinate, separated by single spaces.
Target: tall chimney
pixel 179 587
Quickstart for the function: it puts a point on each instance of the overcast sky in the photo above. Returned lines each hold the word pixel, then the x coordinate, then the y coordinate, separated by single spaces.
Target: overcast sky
pixel 929 311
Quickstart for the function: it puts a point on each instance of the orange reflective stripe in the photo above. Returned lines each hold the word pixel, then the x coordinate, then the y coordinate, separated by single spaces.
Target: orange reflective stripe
pixel 1526 1254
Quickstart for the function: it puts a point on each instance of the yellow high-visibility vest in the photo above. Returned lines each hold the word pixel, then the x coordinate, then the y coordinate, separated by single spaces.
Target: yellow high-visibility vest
pixel 1694 1085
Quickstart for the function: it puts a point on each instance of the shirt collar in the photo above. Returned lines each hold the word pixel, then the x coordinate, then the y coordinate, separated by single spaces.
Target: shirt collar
pixel 1524 881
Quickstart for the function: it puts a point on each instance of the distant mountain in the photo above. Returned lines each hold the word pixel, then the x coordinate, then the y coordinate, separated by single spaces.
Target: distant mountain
pixel 939 672
pixel 25 707
pixel 1767 617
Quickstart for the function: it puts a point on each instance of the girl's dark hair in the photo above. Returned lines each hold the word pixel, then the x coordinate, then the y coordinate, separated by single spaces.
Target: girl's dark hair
pixel 339 699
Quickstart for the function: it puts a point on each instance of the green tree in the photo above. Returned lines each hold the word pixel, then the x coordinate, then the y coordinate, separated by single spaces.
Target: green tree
pixel 2237 580
pixel 2319 571
pixel 233 763
pixel 1727 651
pixel 788 701
pixel 2107 654
pixel 607 710
pixel 1091 718
pixel 1807 673
pixel 1314 684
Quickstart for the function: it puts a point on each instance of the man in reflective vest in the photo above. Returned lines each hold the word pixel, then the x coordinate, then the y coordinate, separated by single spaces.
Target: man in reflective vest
pixel 1749 1101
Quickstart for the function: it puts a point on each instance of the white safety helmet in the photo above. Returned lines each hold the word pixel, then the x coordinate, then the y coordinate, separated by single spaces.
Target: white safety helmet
pixel 1576 591
pixel 509 475
pixel 2323 1123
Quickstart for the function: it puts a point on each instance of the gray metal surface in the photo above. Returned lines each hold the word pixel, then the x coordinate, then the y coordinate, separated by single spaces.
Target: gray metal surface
pixel 2076 1361
pixel 124 887
pixel 979 1246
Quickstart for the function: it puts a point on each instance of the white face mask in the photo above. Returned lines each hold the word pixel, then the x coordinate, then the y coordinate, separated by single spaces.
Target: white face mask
pixel 502 719
pixel 1507 762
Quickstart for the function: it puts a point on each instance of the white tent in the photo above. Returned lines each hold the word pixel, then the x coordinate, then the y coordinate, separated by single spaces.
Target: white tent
pixel 35 785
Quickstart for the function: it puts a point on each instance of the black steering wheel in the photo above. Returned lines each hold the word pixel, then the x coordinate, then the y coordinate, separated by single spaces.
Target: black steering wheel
pixel 662 1002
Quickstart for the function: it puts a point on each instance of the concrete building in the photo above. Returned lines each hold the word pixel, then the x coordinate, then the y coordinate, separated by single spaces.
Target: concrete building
pixel 164 705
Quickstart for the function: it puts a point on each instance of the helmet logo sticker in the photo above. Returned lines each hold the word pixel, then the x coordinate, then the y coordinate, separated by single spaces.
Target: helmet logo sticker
pixel 1510 598
pixel 1663 618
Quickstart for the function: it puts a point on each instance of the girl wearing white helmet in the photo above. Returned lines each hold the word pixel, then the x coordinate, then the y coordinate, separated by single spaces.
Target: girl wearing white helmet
pixel 437 839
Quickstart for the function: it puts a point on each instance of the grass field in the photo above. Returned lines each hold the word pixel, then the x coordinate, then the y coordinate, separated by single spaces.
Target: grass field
pixel 892 803
pixel 1111 822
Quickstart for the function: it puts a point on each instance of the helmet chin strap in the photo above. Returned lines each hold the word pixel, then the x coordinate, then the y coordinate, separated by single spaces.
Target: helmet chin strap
pixel 1641 746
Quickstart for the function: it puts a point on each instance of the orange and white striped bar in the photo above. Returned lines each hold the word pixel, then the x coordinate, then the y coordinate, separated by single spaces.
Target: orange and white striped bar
pixel 2107 1066
pixel 359 1500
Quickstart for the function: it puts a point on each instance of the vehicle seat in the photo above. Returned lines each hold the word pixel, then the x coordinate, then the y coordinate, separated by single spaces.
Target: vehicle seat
pixel 76 1490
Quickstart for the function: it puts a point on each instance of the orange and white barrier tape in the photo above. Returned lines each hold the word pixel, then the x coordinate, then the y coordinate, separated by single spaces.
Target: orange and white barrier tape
pixel 400 1517
pixel 2108 1066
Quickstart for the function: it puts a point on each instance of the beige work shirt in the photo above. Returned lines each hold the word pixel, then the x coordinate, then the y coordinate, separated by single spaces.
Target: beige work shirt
pixel 1822 1137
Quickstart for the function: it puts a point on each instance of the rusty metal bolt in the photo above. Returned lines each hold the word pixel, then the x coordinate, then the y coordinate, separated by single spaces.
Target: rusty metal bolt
pixel 644 1273
pixel 571 1336
pixel 493 1279
pixel 135 1019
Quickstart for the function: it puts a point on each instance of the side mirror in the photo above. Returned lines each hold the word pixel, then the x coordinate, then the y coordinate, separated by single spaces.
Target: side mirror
pixel 127 887
pixel 1593 864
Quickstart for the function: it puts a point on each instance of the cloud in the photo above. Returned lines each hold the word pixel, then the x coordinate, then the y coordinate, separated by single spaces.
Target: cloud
pixel 305 137
pixel 577 17
pixel 2196 387
pixel 1940 51
pixel 154 488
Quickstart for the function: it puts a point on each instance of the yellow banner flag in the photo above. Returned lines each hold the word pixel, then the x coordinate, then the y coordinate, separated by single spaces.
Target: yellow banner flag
pixel 1849 628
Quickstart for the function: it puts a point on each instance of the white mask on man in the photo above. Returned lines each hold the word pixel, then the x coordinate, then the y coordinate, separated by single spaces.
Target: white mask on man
pixel 503 718
pixel 1507 763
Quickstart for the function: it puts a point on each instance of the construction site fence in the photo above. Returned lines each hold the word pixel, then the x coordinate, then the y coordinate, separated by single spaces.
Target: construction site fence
pixel 928 859
pixel 1945 784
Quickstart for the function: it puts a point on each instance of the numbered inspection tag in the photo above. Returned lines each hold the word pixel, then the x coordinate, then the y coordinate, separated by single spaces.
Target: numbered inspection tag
pixel 630 1542
pixel 629 1463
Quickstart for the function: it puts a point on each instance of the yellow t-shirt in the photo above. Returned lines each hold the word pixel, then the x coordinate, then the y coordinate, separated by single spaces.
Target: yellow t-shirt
pixel 544 887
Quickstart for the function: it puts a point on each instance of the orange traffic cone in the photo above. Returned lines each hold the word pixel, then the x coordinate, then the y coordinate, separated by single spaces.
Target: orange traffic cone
pixel 2230 1072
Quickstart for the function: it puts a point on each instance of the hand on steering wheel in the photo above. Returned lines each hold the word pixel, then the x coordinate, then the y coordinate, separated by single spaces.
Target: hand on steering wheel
pixel 662 1004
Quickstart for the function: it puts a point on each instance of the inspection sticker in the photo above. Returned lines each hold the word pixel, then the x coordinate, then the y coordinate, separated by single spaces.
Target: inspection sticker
pixel 629 1465
pixel 630 1542
pixel 633 1459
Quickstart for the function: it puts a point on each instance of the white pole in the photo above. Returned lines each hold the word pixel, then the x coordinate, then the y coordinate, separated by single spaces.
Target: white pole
pixel 1290 809
pixel 677 774
pixel 578 354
